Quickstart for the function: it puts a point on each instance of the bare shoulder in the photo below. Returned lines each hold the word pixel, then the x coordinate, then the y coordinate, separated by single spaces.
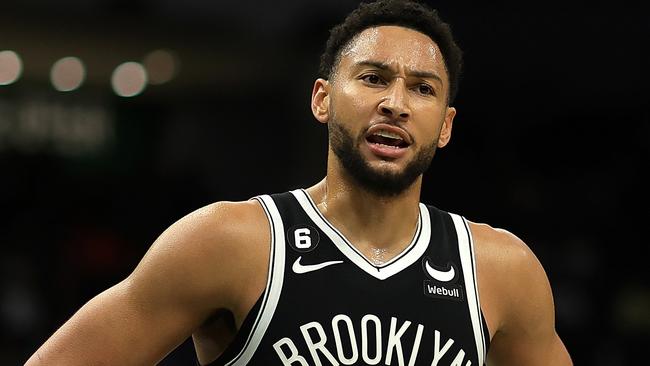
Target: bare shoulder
pixel 516 299
pixel 220 226
pixel 507 268
pixel 501 249
pixel 207 250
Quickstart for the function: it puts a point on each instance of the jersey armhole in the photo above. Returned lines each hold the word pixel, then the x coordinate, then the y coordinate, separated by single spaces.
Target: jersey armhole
pixel 249 336
pixel 486 333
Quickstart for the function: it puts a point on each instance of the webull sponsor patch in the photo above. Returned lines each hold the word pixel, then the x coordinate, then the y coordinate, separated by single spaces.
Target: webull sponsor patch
pixel 446 291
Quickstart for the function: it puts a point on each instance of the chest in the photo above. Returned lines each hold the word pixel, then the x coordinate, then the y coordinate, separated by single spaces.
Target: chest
pixel 326 303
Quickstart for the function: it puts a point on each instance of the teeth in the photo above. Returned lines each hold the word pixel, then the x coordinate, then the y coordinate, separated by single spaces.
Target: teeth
pixel 387 134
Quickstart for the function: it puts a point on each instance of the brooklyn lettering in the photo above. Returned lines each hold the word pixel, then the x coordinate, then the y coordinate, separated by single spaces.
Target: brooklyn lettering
pixel 368 347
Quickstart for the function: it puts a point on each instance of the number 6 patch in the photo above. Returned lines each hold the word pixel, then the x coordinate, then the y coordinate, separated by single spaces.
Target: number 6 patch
pixel 303 238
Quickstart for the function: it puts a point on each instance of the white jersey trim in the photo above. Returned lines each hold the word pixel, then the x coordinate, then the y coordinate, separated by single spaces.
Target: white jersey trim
pixel 273 284
pixel 466 250
pixel 409 255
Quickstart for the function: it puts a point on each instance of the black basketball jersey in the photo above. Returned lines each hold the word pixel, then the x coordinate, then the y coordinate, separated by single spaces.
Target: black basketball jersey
pixel 327 304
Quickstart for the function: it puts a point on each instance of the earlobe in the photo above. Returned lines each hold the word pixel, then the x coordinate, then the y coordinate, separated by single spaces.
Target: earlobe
pixel 445 130
pixel 320 100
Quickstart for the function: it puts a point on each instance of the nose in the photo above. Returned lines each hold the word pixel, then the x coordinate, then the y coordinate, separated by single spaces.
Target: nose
pixel 395 104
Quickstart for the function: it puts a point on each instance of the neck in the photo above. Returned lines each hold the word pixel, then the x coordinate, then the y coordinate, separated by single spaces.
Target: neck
pixel 369 221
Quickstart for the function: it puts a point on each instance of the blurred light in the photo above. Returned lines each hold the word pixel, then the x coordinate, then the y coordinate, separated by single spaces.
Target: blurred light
pixel 67 74
pixel 11 67
pixel 129 79
pixel 161 65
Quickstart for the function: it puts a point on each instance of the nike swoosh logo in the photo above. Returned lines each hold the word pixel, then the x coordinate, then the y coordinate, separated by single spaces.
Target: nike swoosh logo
pixel 442 276
pixel 304 268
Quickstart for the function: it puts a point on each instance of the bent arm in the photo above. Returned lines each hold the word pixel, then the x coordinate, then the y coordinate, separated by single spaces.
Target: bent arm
pixel 186 275
pixel 526 334
pixel 115 328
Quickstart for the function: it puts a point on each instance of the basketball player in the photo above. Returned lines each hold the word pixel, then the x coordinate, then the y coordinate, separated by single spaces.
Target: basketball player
pixel 353 270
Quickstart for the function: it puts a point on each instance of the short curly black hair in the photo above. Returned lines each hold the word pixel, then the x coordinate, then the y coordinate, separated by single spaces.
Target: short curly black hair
pixel 404 13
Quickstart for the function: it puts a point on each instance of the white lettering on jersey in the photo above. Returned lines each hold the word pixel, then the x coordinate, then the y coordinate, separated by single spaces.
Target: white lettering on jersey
pixel 458 361
pixel 394 341
pixel 437 352
pixel 294 357
pixel 416 345
pixel 364 339
pixel 317 346
pixel 339 344
pixel 301 238
pixel 342 327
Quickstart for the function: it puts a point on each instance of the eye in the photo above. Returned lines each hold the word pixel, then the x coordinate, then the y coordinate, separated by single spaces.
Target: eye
pixel 372 79
pixel 425 89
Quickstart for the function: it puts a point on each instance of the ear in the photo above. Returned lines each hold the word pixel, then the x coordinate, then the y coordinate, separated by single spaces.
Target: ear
pixel 320 100
pixel 445 130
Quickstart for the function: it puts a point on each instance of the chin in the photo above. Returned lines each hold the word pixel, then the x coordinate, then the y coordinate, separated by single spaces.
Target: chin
pixel 385 168
pixel 395 166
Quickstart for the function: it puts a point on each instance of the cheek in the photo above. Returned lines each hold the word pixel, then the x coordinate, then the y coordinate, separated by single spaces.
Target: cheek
pixel 426 136
pixel 430 127
pixel 351 103
pixel 354 97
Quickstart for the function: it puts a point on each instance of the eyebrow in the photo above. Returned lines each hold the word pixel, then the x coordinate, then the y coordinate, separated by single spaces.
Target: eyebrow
pixel 384 66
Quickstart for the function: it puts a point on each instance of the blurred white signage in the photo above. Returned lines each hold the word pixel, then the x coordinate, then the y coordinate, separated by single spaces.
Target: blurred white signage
pixel 37 126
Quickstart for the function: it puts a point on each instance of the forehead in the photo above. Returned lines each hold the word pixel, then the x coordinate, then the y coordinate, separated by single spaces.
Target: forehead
pixel 396 46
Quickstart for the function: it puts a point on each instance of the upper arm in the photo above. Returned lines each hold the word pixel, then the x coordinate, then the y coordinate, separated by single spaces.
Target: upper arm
pixel 189 272
pixel 525 333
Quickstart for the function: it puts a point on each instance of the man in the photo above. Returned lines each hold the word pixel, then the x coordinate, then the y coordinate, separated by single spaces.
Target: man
pixel 353 270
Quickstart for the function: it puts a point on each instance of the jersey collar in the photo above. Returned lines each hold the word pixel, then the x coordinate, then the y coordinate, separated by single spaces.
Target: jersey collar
pixel 408 256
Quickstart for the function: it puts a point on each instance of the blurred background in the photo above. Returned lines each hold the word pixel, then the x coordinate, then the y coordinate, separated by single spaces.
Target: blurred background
pixel 119 117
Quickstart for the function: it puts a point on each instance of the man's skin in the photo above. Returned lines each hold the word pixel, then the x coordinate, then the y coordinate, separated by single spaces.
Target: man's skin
pixel 213 263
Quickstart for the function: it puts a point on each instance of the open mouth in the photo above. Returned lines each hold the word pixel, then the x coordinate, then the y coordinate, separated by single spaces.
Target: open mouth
pixel 388 139
pixel 388 136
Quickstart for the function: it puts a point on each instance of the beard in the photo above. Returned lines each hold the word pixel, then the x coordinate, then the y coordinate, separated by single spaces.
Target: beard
pixel 382 183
